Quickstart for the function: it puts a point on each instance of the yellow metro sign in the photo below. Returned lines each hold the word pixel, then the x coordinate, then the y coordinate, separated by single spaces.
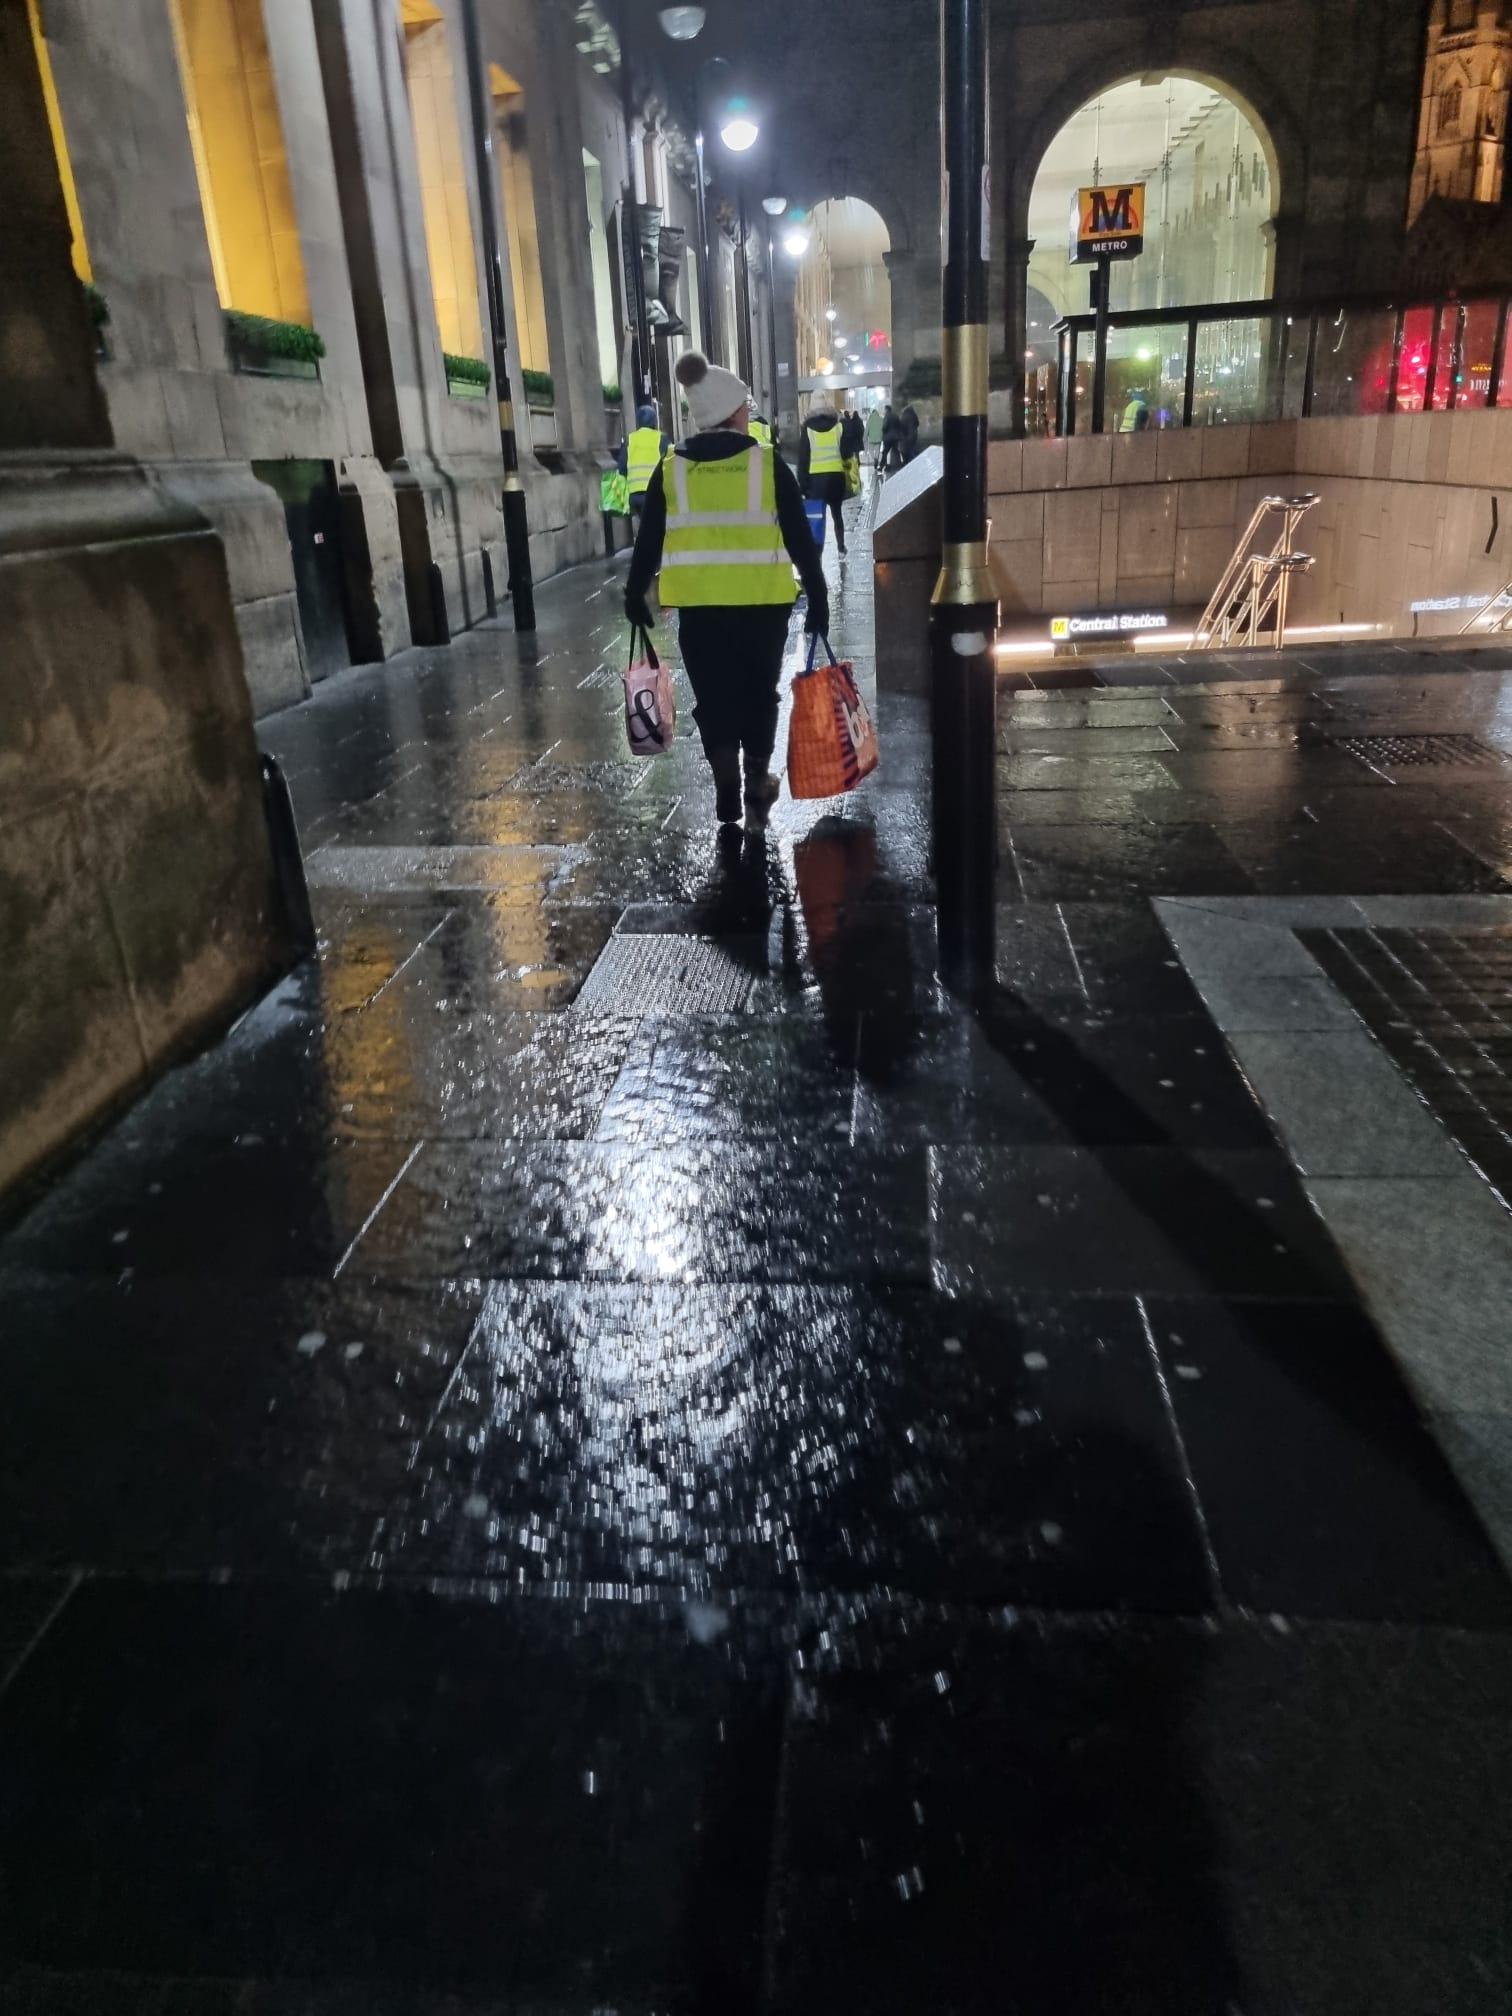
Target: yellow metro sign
pixel 1108 222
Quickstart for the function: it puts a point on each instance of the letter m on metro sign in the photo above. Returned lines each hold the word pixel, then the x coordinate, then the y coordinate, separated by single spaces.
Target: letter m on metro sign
pixel 1108 223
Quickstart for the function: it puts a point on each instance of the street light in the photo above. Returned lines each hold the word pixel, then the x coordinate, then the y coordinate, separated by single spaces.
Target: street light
pixel 740 131
pixel 796 242
pixel 774 205
pixel 682 23
pixel 832 314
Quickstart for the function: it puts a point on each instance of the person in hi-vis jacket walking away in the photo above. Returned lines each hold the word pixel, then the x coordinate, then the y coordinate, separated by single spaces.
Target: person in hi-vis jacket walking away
pixel 821 465
pixel 641 455
pixel 724 523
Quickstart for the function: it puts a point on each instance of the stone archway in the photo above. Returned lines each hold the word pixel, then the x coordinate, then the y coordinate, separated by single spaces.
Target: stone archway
pixel 1211 191
pixel 1219 152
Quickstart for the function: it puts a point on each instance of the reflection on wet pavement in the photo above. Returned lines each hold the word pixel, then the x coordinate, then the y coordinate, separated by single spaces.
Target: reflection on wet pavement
pixel 616 1445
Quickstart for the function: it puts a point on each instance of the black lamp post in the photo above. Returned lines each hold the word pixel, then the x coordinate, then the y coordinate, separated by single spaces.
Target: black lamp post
pixel 963 617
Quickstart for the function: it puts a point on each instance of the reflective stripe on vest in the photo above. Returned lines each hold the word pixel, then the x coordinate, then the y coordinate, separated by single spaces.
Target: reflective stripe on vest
pixel 723 546
pixel 641 458
pixel 760 431
pixel 825 458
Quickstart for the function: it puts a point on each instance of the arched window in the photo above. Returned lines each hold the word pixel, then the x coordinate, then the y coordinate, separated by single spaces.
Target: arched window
pixel 1449 109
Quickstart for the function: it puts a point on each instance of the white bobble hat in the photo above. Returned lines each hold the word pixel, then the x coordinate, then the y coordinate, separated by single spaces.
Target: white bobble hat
pixel 713 393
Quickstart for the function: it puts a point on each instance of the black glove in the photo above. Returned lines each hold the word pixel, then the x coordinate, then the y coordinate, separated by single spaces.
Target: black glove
pixel 638 614
pixel 816 618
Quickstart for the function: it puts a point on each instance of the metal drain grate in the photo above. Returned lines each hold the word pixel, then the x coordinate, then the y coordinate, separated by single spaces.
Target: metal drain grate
pixel 656 973
pixel 1408 752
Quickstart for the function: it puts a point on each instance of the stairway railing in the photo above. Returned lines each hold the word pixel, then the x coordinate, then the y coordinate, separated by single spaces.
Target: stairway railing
pixel 1494 616
pixel 1255 587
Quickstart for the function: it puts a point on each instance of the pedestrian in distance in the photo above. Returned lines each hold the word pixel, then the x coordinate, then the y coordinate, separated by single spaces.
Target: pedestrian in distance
pixel 852 441
pixel 892 441
pixel 821 465
pixel 724 527
pixel 874 435
pixel 908 420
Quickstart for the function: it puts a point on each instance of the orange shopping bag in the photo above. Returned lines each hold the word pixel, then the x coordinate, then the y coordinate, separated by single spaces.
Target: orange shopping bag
pixel 832 743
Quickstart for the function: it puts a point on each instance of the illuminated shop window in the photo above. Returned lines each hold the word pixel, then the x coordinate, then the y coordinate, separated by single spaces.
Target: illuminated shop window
pixel 520 219
pixel 239 157
pixel 432 87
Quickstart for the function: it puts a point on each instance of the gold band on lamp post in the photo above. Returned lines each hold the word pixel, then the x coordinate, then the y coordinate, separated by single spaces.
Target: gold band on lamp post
pixel 965 575
pixel 964 370
pixel 506 413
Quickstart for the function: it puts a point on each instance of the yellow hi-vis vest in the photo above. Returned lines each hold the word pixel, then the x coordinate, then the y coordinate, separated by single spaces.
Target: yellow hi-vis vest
pixel 723 546
pixel 641 457
pixel 760 430
pixel 825 458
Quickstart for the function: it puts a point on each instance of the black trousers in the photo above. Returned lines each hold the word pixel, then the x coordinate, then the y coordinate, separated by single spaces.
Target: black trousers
pixel 832 490
pixel 734 664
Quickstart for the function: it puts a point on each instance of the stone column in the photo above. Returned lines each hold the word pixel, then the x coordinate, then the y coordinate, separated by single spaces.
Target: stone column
pixel 1015 311
pixel 138 899
pixel 384 233
pixel 786 396
pixel 914 334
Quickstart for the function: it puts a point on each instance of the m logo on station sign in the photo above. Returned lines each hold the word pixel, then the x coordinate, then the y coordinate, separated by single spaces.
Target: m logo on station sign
pixel 1108 223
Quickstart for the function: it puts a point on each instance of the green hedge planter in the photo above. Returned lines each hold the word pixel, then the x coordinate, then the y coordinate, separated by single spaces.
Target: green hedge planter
pixel 540 389
pixel 466 377
pixel 261 344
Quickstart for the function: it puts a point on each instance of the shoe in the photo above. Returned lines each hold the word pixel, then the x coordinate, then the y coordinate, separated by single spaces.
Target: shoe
pixel 760 797
pixel 725 763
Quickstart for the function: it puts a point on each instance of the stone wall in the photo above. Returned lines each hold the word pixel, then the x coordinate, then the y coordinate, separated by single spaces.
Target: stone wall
pixel 417 468
pixel 139 902
pixel 1412 506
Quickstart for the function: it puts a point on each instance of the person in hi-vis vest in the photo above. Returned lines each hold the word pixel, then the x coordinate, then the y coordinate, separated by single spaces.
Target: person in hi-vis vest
pixel 724 525
pixel 821 464
pixel 641 455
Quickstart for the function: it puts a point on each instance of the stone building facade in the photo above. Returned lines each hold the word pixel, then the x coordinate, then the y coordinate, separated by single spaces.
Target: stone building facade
pixel 309 163
pixel 1462 126
pixel 1333 88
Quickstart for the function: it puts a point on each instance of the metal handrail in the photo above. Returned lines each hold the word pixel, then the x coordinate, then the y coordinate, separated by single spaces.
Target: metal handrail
pixel 1498 610
pixel 1255 587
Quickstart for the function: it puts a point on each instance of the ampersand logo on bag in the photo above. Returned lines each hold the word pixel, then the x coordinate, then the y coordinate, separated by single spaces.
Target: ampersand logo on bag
pixel 644 724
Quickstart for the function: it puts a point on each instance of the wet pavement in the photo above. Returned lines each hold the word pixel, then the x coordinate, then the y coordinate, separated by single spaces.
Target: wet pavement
pixel 615 1446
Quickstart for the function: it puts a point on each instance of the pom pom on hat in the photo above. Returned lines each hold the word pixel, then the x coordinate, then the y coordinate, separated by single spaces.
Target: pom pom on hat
pixel 714 394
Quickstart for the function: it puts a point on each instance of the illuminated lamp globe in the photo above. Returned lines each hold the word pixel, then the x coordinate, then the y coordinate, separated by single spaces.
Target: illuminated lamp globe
pixel 832 314
pixel 682 23
pixel 796 243
pixel 774 205
pixel 740 131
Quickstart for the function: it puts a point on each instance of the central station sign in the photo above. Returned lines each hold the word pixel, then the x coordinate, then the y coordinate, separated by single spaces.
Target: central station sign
pixel 1107 223
pixel 1108 623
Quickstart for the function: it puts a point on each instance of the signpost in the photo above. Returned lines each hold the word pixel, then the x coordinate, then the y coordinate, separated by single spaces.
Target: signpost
pixel 1107 223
